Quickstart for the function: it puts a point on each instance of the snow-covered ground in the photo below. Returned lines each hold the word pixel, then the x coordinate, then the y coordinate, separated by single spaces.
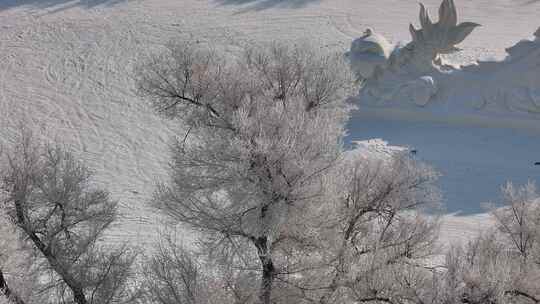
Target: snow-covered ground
pixel 474 161
pixel 66 67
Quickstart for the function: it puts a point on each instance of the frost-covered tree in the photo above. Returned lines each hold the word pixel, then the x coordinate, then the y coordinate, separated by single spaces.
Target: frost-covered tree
pixel 174 275
pixel 519 219
pixel 518 227
pixel 263 129
pixel 50 198
pixel 368 241
pixel 502 266
pixel 476 273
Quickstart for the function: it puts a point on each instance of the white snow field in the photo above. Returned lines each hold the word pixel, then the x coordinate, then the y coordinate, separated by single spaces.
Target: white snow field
pixel 66 68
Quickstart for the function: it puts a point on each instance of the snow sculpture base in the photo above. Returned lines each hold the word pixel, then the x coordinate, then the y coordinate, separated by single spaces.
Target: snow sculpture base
pixel 414 77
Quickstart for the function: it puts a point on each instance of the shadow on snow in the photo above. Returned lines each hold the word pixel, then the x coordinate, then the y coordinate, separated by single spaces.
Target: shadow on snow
pixel 58 5
pixel 258 5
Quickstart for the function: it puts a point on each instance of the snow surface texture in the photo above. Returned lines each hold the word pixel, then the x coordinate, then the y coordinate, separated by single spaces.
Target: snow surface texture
pixel 66 66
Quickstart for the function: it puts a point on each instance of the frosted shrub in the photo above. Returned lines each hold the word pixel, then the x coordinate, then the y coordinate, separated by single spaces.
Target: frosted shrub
pixel 503 266
pixel 519 219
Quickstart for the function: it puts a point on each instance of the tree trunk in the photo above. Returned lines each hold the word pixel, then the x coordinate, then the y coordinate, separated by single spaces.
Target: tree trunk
pixel 78 295
pixel 268 270
pixel 7 292
pixel 71 282
pixel 266 282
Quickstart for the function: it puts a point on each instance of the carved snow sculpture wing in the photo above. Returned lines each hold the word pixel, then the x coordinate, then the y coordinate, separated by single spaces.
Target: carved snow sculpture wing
pixel 460 32
pixel 448 14
pixel 443 35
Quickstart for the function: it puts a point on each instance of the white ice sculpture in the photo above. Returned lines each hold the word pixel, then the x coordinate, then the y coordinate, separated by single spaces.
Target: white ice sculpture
pixel 414 75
